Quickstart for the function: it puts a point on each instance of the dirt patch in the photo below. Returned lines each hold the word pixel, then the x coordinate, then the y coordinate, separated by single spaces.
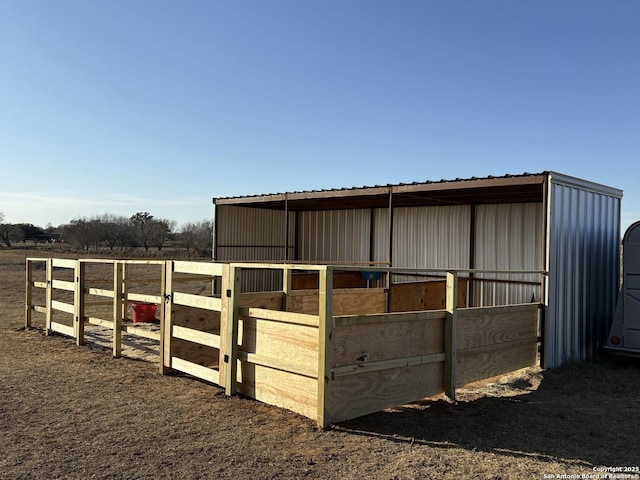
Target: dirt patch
pixel 77 412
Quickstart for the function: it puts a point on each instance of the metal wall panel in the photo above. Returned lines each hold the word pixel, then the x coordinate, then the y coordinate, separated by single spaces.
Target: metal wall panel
pixel 254 235
pixel 584 236
pixel 508 237
pixel 431 237
pixel 334 236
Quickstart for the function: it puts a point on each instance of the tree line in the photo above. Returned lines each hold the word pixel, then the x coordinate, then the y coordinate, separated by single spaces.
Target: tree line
pixel 115 232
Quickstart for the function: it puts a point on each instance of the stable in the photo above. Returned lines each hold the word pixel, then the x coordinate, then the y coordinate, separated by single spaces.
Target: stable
pixel 488 228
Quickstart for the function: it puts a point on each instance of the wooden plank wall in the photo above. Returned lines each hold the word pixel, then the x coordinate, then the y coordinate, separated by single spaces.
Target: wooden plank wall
pixel 346 301
pixel 278 359
pixel 496 340
pixel 381 361
pixel 393 359
pixel 418 296
pixel 309 281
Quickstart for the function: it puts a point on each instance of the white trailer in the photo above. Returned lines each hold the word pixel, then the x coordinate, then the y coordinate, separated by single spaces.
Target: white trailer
pixel 624 335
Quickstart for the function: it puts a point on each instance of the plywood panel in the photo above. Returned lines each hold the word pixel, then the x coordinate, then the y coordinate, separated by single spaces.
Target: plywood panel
pixel 481 363
pixel 381 341
pixel 276 387
pixel 297 344
pixel 348 301
pixel 356 395
pixel 309 281
pixel 492 325
pixel 268 300
pixel 417 296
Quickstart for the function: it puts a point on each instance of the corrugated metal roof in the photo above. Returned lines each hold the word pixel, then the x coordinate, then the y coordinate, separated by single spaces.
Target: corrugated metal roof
pixel 385 186
pixel 525 187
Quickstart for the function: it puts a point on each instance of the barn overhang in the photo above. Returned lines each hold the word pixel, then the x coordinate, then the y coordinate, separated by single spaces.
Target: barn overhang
pixel 507 189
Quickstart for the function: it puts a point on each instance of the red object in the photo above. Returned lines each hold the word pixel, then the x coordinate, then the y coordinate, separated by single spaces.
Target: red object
pixel 144 312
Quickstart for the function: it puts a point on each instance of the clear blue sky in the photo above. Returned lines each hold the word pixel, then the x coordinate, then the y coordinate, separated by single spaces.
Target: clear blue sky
pixel 149 105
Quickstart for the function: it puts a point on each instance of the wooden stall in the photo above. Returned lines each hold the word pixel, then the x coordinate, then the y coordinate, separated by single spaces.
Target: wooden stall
pixel 330 354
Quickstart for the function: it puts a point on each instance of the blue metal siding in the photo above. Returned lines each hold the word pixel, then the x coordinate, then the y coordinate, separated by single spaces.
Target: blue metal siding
pixel 584 236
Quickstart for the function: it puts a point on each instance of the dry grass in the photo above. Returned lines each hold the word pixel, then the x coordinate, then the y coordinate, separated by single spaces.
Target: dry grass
pixel 69 412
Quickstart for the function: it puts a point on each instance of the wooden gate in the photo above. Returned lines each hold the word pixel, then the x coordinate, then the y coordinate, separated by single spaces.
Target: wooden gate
pixel 195 339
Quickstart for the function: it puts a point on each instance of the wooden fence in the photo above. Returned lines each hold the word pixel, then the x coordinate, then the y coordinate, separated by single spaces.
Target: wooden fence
pixel 330 354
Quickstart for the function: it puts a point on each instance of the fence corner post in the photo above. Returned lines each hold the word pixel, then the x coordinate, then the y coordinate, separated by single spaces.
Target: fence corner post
pixel 450 335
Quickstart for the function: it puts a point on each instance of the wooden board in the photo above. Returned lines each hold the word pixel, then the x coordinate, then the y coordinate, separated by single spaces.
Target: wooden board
pixel 348 301
pixel 496 340
pixel 486 362
pixel 283 389
pixel 417 296
pixel 295 344
pixel 354 344
pixel 356 395
pixel 268 300
pixel 309 281
pixel 478 327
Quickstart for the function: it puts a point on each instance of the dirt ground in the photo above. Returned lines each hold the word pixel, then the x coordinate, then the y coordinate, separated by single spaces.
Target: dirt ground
pixel 70 412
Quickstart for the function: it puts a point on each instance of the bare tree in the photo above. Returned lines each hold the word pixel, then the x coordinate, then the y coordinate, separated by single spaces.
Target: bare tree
pixel 78 233
pixel 160 231
pixel 7 231
pixel 198 237
pixel 142 225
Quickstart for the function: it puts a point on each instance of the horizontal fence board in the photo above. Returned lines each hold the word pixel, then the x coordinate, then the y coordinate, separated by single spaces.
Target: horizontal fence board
pixel 492 360
pixel 268 300
pixel 99 322
pixel 63 263
pixel 496 325
pixel 63 285
pixel 346 320
pixel 297 393
pixel 346 301
pixel 39 308
pixel 293 344
pixel 200 268
pixel 373 342
pixel 40 284
pixel 197 301
pixel 99 292
pixel 195 370
pixel 138 297
pixel 63 307
pixel 278 316
pixel 279 364
pixel 386 364
pixel 63 329
pixel 196 336
pixel 352 396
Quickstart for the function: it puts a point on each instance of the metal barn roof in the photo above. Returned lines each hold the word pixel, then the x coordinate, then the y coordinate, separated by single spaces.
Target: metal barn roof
pixel 521 188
